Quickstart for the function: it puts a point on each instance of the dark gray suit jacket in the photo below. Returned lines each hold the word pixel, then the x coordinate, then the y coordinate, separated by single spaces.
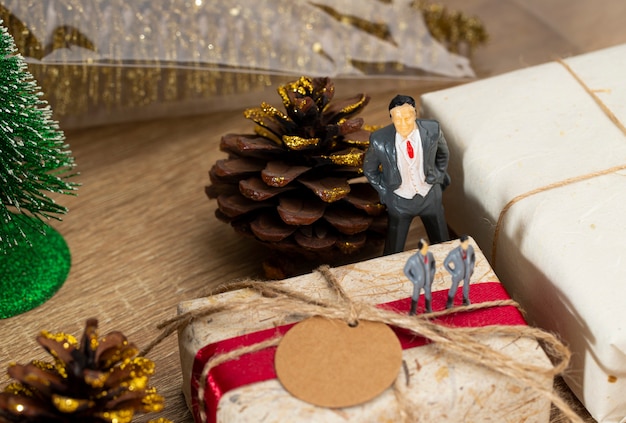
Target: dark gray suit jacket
pixel 420 274
pixel 461 271
pixel 380 164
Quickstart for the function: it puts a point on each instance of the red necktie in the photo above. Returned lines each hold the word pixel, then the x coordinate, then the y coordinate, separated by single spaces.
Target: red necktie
pixel 425 259
pixel 409 149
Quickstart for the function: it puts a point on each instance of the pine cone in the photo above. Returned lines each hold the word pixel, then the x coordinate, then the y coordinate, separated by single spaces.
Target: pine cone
pixel 292 185
pixel 96 381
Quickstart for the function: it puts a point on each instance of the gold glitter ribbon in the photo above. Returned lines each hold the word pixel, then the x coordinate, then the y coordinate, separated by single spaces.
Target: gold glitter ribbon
pixel 567 181
pixel 151 56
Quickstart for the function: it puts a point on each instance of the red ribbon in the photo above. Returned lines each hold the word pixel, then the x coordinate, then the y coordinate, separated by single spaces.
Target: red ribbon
pixel 259 366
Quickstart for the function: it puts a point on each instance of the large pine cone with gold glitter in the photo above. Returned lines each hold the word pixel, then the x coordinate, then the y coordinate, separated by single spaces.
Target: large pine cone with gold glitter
pixel 296 185
pixel 98 381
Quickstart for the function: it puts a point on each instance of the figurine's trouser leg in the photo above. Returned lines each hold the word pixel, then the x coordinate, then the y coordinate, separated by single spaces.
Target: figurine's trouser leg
pixel 450 302
pixel 466 286
pixel 451 293
pixel 402 211
pixel 397 231
pixel 433 217
pixel 428 296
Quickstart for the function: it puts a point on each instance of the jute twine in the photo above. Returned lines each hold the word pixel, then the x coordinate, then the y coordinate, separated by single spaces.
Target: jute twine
pixel 459 342
pixel 605 109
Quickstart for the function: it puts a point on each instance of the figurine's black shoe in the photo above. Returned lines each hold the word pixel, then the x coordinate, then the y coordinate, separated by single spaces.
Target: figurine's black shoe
pixel 413 307
pixel 428 307
pixel 466 301
pixel 450 302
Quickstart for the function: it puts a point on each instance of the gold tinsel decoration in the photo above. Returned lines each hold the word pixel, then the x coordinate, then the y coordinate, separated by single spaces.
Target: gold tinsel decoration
pixel 93 57
pixel 453 28
pixel 99 380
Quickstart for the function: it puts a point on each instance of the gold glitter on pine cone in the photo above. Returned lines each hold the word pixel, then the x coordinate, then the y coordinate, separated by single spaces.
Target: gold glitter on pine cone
pixel 96 381
pixel 292 185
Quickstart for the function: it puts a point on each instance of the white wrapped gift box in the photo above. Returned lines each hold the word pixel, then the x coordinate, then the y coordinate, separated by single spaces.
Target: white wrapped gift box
pixel 441 388
pixel 537 166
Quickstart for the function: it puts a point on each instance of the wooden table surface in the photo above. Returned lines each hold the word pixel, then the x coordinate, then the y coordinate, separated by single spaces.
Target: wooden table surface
pixel 143 235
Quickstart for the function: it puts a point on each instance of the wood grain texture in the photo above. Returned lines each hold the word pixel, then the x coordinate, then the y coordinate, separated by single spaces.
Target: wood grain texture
pixel 142 232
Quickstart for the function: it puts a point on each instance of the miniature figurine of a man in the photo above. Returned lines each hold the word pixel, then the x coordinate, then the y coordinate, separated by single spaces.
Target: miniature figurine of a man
pixel 420 269
pixel 406 162
pixel 460 264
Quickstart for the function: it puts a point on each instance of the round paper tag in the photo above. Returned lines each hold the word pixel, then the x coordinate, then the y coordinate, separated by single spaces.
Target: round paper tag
pixel 328 363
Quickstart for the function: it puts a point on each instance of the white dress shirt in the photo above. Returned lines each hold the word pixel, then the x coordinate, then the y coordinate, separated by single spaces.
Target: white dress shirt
pixel 411 170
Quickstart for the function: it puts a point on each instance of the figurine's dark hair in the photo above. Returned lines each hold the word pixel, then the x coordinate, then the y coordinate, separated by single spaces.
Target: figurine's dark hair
pixel 463 238
pixel 421 243
pixel 400 99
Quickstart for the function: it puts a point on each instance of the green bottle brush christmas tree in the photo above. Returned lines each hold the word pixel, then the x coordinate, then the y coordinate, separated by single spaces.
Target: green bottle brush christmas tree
pixel 34 160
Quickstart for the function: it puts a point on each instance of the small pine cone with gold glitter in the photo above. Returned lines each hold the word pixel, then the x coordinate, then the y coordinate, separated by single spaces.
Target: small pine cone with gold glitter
pixel 296 185
pixel 96 381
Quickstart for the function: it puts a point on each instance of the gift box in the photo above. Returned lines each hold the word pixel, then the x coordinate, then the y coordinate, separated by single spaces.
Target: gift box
pixel 436 385
pixel 537 166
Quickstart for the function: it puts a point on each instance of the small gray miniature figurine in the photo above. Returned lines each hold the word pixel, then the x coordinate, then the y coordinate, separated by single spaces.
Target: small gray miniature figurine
pixel 460 264
pixel 420 269
pixel 406 163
